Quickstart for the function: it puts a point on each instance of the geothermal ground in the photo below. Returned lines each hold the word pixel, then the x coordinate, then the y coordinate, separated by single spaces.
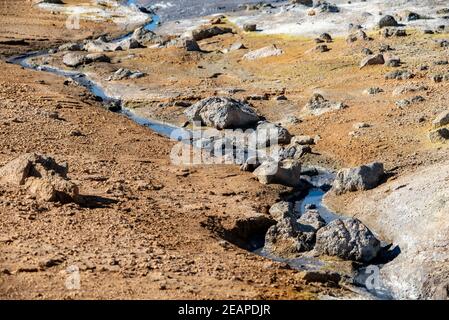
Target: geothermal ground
pixel 145 228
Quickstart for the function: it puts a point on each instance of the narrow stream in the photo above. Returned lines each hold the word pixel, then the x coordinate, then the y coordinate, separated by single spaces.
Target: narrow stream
pixel 320 182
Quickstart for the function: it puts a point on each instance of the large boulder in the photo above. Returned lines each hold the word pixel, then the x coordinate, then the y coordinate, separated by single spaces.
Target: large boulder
pixel 348 239
pixel 42 176
pixel 364 177
pixel 222 113
pixel 285 172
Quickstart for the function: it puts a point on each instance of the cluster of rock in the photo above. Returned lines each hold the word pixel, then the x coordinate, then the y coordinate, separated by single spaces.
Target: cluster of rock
pixel 138 39
pixel 318 104
pixel 295 233
pixel 42 176
pixel 124 73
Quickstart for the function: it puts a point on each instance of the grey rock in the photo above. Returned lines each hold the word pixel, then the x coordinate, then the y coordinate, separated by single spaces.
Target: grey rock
pixel 284 172
pixel 399 75
pixel 74 59
pixel 442 119
pixel 268 134
pixel 209 32
pixel 313 219
pixel 364 177
pixel 439 135
pixel 222 113
pixel 318 104
pixel 282 210
pixel 347 239
pixel 249 27
pixel 372 60
pixel 387 21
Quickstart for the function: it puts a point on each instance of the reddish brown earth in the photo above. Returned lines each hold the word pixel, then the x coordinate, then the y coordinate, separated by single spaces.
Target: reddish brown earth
pixel 148 229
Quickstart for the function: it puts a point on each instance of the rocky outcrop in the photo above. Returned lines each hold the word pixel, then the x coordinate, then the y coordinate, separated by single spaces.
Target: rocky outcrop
pixel 222 113
pixel 41 176
pixel 347 239
pixel 284 172
pixel 364 177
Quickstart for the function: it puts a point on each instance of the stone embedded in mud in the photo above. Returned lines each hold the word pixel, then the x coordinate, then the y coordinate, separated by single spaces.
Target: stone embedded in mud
pixel 348 239
pixel 399 75
pixel 387 21
pixel 42 176
pixel 49 1
pixel 123 73
pixel 372 60
pixel 97 57
pixel 72 46
pixel 358 35
pixel 249 27
pixel 326 37
pixel 304 140
pixel 364 177
pixel 209 32
pixel 270 51
pixel 222 113
pixel 190 44
pixel 284 172
pixel 268 134
pixel 237 46
pixel 441 120
pixel 318 104
pixel 373 90
pixel 322 48
pixel 308 3
pixel 74 59
pixel 439 135
pixel 393 62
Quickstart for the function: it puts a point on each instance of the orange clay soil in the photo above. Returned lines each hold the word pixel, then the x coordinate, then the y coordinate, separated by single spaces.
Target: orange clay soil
pixel 149 229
